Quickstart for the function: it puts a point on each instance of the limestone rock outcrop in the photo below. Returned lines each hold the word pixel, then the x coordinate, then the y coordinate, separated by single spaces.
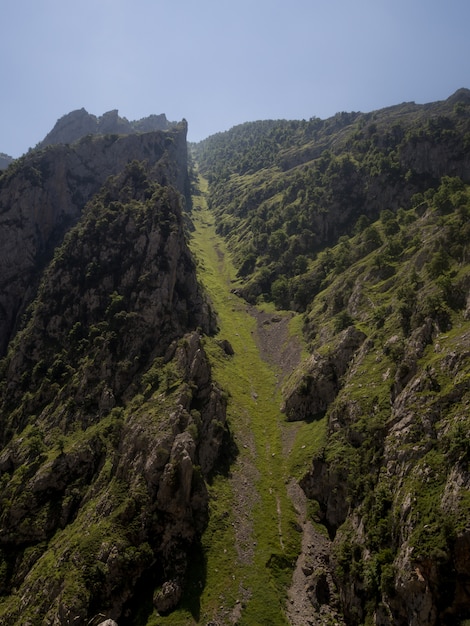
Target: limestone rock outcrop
pixel 44 195
pixel 313 389
pixel 5 160
pixel 77 124
pixel 110 419
pixel 391 486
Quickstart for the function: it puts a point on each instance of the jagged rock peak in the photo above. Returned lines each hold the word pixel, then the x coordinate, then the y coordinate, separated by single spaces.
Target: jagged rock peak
pixel 78 123
pixel 5 160
pixel 461 95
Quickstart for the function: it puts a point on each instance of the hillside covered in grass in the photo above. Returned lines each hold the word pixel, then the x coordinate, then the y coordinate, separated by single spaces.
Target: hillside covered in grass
pixel 283 190
pixel 362 224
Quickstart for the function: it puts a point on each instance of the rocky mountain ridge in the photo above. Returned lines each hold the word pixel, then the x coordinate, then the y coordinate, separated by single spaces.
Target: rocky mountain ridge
pixel 282 189
pixel 387 327
pixel 111 422
pixel 79 123
pixel 390 491
pixel 5 160
pixel 43 194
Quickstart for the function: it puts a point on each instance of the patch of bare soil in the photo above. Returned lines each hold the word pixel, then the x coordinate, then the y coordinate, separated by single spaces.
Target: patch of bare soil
pixel 275 343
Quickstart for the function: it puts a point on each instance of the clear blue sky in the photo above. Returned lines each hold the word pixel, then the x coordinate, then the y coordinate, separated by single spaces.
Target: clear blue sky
pixel 219 63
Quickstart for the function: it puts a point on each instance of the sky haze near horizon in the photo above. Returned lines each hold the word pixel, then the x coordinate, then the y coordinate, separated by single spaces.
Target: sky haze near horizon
pixel 219 63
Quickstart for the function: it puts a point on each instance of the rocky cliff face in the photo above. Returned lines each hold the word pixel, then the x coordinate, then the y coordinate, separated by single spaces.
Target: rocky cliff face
pixel 362 221
pixel 110 419
pixel 315 386
pixel 391 481
pixel 5 161
pixel 114 509
pixel 77 124
pixel 44 195
pixel 124 268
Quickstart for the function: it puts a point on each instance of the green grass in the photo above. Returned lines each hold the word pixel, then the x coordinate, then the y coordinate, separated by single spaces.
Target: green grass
pixel 309 440
pixel 256 584
pixel 296 329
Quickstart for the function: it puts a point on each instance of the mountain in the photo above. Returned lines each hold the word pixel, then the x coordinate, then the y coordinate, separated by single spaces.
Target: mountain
pixel 43 194
pixel 5 160
pixel 110 419
pixel 388 376
pixel 79 123
pixel 362 223
pixel 235 383
pixel 284 189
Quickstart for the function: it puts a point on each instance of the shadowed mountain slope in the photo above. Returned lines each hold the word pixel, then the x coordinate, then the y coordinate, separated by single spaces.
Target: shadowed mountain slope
pixel 110 420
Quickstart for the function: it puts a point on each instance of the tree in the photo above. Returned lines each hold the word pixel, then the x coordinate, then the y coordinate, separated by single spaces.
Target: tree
pixel 439 263
pixel 371 239
pixel 277 241
pixel 280 292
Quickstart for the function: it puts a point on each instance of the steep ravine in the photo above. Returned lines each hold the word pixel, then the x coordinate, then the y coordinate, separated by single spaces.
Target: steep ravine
pixel 255 529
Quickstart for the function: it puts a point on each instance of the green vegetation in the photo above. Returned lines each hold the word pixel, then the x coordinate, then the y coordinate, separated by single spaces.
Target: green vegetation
pixel 307 232
pixel 283 190
pixel 90 410
pixel 354 231
pixel 251 543
pixel 394 310
pixel 309 441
